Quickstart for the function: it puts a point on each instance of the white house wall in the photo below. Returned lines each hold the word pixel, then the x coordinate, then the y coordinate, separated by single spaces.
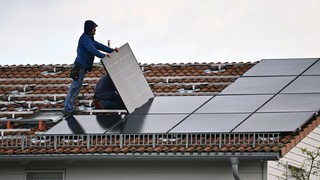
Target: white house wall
pixel 136 170
pixel 295 157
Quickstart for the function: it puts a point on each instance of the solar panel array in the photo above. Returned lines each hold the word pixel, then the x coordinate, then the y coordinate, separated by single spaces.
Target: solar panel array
pixel 276 95
pixel 293 105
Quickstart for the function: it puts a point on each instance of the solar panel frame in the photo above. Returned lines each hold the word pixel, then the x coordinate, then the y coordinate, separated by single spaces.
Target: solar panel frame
pixel 304 84
pixel 280 67
pixel 257 85
pixel 209 123
pixel 313 70
pixel 234 104
pixel 85 124
pixel 146 124
pixel 292 103
pixel 172 104
pixel 274 122
pixel 49 115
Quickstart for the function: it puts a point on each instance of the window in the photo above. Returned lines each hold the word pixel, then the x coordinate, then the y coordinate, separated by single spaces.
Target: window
pixel 45 175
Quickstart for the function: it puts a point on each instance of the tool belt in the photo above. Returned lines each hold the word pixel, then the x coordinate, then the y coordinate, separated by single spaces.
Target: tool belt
pixel 74 74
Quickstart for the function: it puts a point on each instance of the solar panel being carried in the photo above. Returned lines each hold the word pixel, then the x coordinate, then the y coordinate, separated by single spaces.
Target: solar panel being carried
pixel 128 78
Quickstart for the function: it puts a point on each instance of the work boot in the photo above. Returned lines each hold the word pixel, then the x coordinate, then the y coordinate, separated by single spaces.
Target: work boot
pixel 66 113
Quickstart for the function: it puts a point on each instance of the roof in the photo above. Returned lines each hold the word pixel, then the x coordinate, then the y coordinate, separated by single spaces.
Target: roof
pixel 26 90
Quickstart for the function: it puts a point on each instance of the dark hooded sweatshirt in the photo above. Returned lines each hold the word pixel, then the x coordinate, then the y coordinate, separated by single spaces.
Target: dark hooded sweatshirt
pixel 88 47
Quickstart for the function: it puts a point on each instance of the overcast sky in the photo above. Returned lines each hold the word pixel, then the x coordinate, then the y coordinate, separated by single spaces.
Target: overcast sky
pixel 47 31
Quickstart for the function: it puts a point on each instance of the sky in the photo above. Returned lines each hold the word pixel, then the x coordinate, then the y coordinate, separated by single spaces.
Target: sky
pixel 166 31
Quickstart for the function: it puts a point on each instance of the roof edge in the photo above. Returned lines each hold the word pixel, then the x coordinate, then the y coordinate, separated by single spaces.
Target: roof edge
pixel 308 128
pixel 147 156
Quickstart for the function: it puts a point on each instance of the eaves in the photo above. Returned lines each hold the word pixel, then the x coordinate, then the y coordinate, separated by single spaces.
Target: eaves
pixel 223 156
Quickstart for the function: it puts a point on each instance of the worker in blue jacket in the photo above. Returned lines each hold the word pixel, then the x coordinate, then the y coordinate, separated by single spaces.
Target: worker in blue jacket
pixel 87 49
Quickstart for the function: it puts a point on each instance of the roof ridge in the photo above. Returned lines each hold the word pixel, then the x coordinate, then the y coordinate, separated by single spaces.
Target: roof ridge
pixel 141 64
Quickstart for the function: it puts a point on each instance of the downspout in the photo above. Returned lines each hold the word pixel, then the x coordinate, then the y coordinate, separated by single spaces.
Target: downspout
pixel 234 164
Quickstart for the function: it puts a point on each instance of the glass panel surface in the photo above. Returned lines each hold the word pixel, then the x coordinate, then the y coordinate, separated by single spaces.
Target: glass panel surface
pixel 128 78
pixel 313 70
pixel 257 85
pixel 280 67
pixel 292 102
pixel 209 123
pixel 274 122
pixel 172 104
pixel 304 84
pixel 234 104
pixel 136 124
pixel 85 124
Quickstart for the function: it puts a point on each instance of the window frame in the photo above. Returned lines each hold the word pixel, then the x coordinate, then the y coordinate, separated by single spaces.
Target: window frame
pixel 43 171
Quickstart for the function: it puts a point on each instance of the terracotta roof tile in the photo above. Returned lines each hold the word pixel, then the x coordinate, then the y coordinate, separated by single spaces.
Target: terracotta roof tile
pixel 124 150
pixel 275 149
pixel 51 151
pixel 59 151
pixel 108 150
pixel 84 150
pixel 9 151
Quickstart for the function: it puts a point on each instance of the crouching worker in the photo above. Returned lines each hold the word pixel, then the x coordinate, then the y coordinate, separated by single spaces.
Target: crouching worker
pixel 106 95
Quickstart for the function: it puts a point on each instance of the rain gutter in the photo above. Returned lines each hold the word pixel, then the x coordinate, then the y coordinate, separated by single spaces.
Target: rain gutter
pixel 147 156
